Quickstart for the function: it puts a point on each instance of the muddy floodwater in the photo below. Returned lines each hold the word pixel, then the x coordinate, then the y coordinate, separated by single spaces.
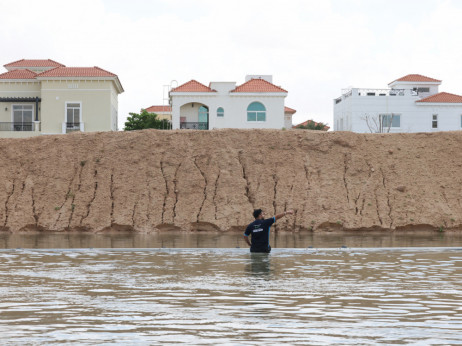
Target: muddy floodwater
pixel 48 240
pixel 163 289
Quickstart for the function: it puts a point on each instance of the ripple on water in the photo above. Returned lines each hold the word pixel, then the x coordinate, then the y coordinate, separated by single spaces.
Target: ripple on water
pixel 211 296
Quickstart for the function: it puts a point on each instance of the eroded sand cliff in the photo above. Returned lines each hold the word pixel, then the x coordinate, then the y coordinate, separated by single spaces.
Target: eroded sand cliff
pixel 212 180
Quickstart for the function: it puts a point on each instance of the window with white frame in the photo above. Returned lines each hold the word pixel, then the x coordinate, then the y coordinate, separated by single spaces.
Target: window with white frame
pixel 73 111
pixel 220 112
pixel 391 120
pixel 22 117
pixel 434 121
pixel 256 112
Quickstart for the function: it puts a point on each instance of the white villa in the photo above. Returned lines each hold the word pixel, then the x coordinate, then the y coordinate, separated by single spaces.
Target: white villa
pixel 410 104
pixel 257 103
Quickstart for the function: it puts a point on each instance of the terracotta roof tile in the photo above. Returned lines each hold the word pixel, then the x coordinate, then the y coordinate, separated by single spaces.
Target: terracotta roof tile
pixel 305 123
pixel 258 86
pixel 289 110
pixel 18 74
pixel 34 63
pixel 77 72
pixel 416 78
pixel 193 86
pixel 154 109
pixel 442 98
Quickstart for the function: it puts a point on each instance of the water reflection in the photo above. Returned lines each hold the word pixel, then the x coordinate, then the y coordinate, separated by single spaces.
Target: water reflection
pixel 46 240
pixel 259 264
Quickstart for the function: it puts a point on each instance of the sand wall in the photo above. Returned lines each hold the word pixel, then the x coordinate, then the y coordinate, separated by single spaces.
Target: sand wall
pixel 212 180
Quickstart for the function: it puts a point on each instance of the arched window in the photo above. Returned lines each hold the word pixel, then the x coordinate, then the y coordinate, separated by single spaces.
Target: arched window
pixel 220 112
pixel 256 112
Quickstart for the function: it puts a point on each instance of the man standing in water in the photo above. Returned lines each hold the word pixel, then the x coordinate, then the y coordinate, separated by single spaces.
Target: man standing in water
pixel 259 230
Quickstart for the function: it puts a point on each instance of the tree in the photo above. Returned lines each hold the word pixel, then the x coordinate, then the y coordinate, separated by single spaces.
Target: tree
pixel 378 123
pixel 146 120
pixel 312 125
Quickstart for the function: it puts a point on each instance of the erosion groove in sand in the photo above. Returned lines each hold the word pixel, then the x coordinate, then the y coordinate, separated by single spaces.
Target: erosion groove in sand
pixel 211 180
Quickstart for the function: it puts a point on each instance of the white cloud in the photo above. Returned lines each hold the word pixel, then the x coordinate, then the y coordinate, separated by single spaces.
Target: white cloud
pixel 312 48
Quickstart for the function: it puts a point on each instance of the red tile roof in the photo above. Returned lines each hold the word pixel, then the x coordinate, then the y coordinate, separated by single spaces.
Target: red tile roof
pixel 77 72
pixel 18 74
pixel 193 86
pixel 442 98
pixel 258 86
pixel 289 110
pixel 154 109
pixel 416 78
pixel 305 123
pixel 34 63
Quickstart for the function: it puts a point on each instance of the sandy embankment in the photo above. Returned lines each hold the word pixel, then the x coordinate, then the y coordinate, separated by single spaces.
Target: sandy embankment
pixel 211 180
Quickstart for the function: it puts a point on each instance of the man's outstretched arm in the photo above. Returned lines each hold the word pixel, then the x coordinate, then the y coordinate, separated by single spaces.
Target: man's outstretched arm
pixel 288 212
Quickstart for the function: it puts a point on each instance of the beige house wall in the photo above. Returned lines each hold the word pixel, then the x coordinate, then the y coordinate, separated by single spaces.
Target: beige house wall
pixel 190 111
pixel 98 99
pixel 95 97
pixel 164 116
pixel 16 89
pixel 114 108
pixel 19 89
pixel 19 134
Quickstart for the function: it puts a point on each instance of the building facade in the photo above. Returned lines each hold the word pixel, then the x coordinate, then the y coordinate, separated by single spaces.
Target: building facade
pixel 163 112
pixel 45 97
pixel 412 103
pixel 311 124
pixel 257 103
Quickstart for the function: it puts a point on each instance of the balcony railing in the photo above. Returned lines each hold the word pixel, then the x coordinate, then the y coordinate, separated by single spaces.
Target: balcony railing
pixel 194 125
pixel 71 127
pixel 17 127
pixel 379 92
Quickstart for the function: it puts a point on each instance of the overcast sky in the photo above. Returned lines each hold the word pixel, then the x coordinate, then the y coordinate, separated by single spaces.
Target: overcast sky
pixel 313 49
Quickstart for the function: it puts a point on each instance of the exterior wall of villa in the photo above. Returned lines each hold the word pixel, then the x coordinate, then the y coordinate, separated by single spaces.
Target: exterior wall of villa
pixel 114 108
pixel 164 116
pixel 20 88
pixel 352 108
pixel 19 134
pixel 95 99
pixel 163 112
pixel 287 121
pixel 191 111
pixel 235 110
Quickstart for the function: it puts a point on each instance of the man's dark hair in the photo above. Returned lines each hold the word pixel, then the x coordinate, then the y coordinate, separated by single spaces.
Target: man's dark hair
pixel 257 212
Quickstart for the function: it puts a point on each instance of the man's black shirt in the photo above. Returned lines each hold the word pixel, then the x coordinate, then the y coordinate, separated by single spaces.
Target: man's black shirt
pixel 259 230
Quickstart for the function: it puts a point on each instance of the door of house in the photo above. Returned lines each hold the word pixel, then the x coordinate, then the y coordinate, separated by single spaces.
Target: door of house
pixel 203 118
pixel 22 117
pixel 72 117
